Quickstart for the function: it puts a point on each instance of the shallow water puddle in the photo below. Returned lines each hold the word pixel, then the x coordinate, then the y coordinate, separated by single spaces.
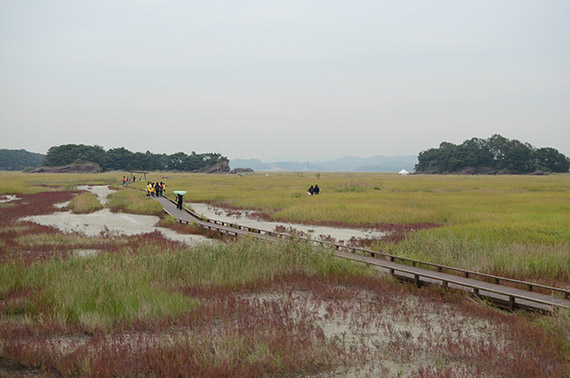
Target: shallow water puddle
pixel 244 218
pixel 106 222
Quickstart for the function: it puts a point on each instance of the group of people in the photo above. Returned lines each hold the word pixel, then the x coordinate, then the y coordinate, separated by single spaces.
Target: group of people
pixel 127 179
pixel 155 189
pixel 314 190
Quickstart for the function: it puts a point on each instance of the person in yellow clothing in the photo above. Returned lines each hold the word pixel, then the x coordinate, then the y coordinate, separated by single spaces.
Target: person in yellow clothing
pixel 150 189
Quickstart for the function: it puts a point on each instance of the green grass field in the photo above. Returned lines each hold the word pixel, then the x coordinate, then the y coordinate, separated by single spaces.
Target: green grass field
pixel 144 305
pixel 517 226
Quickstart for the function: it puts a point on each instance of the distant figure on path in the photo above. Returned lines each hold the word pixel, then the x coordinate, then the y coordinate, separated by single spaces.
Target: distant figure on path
pixel 157 189
pixel 310 191
pixel 317 190
pixel 179 202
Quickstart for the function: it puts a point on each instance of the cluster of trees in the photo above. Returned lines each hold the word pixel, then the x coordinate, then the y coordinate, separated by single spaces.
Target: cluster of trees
pixel 490 156
pixel 17 160
pixel 125 160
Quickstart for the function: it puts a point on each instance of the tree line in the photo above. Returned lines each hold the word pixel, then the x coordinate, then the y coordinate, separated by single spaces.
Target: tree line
pixel 495 155
pixel 17 160
pixel 125 160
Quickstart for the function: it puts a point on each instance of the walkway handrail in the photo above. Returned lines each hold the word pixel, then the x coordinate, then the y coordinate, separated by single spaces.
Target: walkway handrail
pixel 465 272
pixel 225 227
pixel 477 288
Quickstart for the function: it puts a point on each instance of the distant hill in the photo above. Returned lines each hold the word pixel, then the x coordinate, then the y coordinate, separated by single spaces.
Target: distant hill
pixel 377 163
pixel 18 160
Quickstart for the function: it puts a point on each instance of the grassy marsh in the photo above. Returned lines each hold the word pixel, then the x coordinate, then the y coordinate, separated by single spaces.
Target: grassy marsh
pixel 133 201
pixel 146 305
pixel 251 308
pixel 84 203
pixel 513 225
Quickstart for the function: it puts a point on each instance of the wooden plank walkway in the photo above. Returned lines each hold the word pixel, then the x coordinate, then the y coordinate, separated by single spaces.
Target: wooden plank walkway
pixel 505 296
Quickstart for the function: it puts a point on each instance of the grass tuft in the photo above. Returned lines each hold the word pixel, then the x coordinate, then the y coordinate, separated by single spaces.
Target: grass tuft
pixel 84 203
pixel 134 202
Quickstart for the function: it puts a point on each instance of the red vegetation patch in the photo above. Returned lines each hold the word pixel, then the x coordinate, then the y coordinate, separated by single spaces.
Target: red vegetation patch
pixel 33 204
pixel 272 329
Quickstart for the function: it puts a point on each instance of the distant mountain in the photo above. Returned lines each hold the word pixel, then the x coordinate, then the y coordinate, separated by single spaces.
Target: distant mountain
pixel 377 163
pixel 18 160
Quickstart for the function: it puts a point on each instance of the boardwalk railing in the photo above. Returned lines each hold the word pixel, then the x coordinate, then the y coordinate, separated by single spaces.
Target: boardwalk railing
pixel 359 254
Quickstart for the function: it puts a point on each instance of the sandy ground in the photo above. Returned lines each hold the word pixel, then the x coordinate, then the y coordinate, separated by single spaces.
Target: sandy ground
pixel 8 198
pixel 244 219
pixel 101 191
pixel 106 222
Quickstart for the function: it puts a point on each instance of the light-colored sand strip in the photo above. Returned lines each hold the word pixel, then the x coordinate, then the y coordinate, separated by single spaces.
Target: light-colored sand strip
pixel 8 198
pixel 106 222
pixel 61 205
pixel 101 191
pixel 244 219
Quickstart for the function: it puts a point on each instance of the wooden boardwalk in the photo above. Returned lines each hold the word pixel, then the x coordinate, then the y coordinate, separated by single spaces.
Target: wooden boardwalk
pixel 505 295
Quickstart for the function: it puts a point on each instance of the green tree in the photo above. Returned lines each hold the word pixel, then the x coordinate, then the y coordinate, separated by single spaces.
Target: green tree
pixel 497 153
pixel 74 153
pixel 550 160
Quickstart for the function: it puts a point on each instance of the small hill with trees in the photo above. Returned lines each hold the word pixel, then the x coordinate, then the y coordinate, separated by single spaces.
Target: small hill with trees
pixel 17 160
pixel 495 155
pixel 125 160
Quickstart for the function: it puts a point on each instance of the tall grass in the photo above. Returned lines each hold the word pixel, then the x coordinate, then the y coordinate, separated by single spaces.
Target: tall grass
pixel 29 183
pixel 85 203
pixel 544 263
pixel 492 216
pixel 107 289
pixel 513 225
pixel 133 201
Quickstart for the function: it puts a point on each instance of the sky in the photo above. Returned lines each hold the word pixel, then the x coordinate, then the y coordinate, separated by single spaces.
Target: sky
pixel 283 80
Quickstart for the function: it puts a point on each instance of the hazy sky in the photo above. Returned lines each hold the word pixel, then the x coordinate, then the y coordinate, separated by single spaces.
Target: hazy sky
pixel 275 80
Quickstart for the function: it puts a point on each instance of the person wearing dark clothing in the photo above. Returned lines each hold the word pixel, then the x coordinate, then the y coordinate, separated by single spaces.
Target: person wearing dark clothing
pixel 179 202
pixel 316 190
pixel 157 189
pixel 311 190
